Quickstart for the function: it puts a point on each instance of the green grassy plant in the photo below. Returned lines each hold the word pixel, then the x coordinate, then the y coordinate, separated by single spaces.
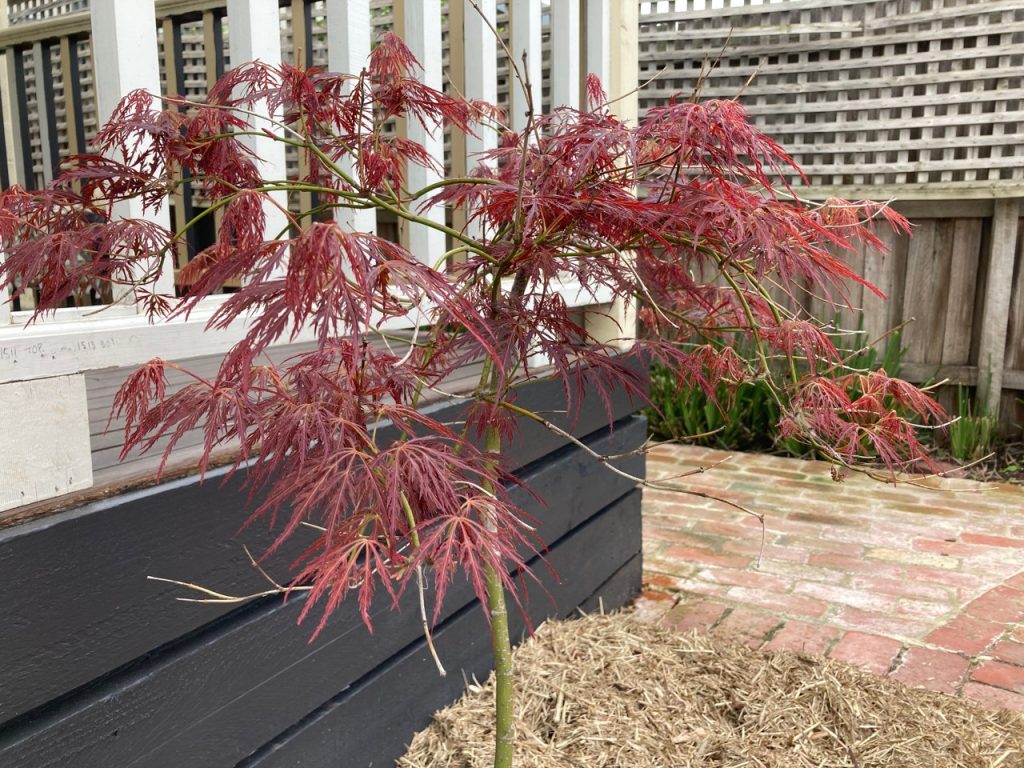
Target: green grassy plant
pixel 745 417
pixel 971 436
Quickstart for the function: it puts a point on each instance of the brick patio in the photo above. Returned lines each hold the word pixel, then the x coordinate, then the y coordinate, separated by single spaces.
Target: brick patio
pixel 923 584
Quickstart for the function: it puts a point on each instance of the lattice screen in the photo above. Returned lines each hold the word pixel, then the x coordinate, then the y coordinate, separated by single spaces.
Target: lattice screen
pixel 21 11
pixel 861 92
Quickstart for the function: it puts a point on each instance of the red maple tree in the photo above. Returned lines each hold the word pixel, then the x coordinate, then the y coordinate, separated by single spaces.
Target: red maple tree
pixel 638 211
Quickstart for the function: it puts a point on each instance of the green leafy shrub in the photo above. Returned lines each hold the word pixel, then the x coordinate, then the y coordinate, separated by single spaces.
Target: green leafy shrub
pixel 745 417
pixel 971 436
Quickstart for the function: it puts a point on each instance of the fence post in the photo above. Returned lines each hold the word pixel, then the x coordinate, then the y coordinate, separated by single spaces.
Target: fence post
pixel 996 309
pixel 481 77
pixel 525 19
pixel 348 48
pixel 598 50
pixel 422 30
pixel 252 38
pixel 615 22
pixel 125 59
pixel 565 53
pixel 8 133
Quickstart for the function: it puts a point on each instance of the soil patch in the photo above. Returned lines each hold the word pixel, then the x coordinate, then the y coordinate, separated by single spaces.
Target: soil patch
pixel 608 691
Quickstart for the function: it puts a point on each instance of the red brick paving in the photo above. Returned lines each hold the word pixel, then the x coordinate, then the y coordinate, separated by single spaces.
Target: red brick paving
pixel 927 668
pixel 921 584
pixel 868 651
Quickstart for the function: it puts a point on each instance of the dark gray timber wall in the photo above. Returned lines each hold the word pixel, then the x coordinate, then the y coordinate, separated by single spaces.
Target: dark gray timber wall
pixel 102 668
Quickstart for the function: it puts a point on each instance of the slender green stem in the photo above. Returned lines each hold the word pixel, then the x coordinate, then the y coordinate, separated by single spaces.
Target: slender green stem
pixel 501 647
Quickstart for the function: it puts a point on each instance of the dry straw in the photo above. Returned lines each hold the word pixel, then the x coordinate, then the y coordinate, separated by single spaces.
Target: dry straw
pixel 611 691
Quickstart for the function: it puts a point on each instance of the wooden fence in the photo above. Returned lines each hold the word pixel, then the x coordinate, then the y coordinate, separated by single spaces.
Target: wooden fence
pixel 957 295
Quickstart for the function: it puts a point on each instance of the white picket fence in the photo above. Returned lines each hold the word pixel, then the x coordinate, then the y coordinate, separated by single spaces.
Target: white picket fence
pixel 585 36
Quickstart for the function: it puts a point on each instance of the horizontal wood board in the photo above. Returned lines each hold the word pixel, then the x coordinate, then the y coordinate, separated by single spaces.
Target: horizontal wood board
pixel 99 612
pixel 371 723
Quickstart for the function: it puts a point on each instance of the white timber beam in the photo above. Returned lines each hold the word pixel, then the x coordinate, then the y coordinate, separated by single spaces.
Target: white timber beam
pixel 526 22
pixel 565 53
pixel 348 48
pixel 615 323
pixel 598 54
pixel 481 78
pixel 255 35
pixel 422 27
pixel 56 459
pixel 125 59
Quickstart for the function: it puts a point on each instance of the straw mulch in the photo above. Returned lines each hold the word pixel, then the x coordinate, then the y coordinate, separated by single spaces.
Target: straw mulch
pixel 611 691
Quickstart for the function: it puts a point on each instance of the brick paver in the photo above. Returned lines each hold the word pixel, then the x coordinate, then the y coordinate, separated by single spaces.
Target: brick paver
pixel 925 584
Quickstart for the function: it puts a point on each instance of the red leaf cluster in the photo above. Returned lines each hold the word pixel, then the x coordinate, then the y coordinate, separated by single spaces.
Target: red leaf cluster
pixel 679 215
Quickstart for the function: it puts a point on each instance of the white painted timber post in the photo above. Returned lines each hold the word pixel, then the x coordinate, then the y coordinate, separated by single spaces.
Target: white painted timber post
pixel 617 65
pixel 526 40
pixel 255 35
pixel 125 59
pixel 565 53
pixel 348 48
pixel 599 51
pixel 481 54
pixel 423 36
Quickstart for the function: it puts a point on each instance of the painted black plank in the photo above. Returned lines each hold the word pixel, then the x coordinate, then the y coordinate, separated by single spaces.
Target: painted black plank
pixel 196 686
pixel 620 588
pixel 370 724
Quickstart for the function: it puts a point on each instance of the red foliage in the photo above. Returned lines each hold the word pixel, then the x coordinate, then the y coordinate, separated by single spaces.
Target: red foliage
pixel 679 212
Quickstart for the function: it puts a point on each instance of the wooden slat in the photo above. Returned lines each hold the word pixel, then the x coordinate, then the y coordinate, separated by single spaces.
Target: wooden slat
pixel 481 77
pixel 965 256
pixel 348 35
pixel 16 147
pixel 1014 358
pixel 565 56
pixel 457 164
pixel 252 39
pixel 45 119
pixel 72 104
pixel 998 291
pixel 423 36
pixel 343 725
pixel 921 296
pixel 597 49
pixel 181 198
pixel 125 58
pixel 525 18
pixel 1013 378
pixel 301 57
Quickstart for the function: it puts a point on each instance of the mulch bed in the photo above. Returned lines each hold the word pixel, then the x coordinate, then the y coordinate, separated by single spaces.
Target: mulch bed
pixel 612 691
pixel 1005 465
